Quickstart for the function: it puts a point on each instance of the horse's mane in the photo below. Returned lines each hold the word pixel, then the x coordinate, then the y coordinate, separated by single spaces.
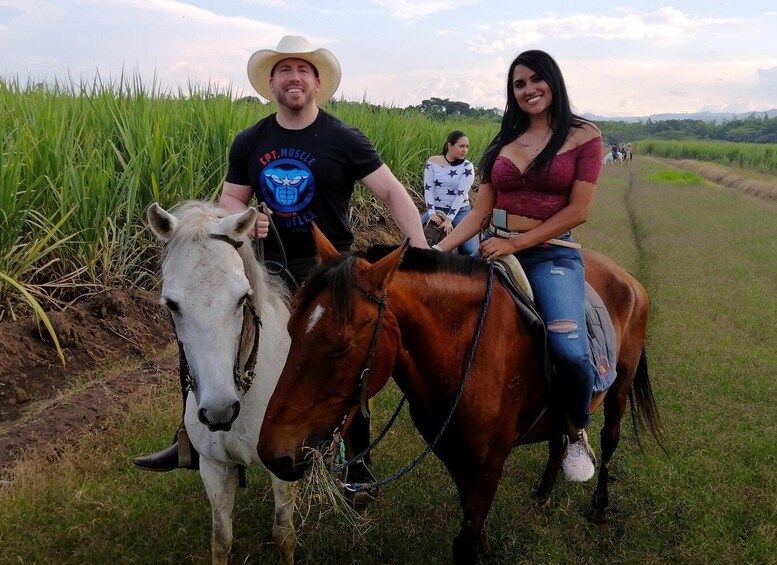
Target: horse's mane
pixel 197 219
pixel 337 274
pixel 417 260
pixel 196 222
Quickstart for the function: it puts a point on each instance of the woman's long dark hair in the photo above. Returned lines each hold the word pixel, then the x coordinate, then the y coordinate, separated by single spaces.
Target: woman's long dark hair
pixel 515 121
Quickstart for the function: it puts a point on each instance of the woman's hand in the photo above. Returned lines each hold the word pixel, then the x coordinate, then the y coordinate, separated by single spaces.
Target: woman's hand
pixel 447 226
pixel 495 247
pixel 435 219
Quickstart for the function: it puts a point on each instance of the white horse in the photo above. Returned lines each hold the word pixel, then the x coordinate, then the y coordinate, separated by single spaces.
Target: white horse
pixel 230 318
pixel 608 159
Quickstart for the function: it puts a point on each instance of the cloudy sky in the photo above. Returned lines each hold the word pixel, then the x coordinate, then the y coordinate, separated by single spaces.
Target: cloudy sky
pixel 619 58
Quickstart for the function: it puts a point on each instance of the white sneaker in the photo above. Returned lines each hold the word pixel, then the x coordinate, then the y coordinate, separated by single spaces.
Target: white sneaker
pixel 579 460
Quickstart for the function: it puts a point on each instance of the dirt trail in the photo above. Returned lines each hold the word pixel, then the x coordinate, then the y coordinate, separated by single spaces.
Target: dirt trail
pixel 115 344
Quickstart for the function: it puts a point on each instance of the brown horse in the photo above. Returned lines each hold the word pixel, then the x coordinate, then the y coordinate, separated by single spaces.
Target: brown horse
pixel 433 303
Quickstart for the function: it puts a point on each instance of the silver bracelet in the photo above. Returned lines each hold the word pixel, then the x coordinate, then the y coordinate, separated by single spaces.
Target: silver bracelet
pixel 437 247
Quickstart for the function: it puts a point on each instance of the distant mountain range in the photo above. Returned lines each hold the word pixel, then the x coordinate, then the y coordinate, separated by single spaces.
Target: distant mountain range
pixel 715 117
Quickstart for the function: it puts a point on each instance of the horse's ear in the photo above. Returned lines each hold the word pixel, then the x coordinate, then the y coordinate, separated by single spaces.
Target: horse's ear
pixel 379 274
pixel 324 248
pixel 237 226
pixel 162 223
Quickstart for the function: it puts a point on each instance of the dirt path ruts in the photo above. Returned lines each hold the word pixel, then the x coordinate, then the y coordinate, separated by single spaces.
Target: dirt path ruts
pixel 117 344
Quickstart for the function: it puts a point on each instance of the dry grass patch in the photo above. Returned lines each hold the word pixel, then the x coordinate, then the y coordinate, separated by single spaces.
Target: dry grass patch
pixel 763 187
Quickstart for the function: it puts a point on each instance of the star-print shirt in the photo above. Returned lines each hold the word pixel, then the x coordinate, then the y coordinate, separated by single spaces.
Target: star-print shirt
pixel 540 194
pixel 447 188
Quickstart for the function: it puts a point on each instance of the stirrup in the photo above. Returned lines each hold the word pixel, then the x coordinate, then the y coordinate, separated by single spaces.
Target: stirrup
pixel 160 462
pixel 179 455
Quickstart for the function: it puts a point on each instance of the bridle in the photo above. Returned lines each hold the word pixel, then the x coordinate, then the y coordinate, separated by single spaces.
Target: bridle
pixel 360 390
pixel 243 376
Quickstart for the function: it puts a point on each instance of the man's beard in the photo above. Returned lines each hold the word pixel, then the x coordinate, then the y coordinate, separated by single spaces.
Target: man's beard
pixel 295 102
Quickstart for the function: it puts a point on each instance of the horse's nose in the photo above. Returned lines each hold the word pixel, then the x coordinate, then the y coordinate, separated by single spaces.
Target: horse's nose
pixel 219 420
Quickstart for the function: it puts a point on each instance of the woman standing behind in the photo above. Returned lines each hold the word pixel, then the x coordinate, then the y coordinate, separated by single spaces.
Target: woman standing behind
pixel 539 178
pixel 447 180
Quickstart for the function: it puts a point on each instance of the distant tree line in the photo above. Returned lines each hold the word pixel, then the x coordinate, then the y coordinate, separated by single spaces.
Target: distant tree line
pixel 441 108
pixel 754 129
pixel 757 128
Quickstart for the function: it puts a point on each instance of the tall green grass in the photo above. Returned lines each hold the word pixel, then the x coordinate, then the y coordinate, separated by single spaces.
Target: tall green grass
pixel 760 157
pixel 80 163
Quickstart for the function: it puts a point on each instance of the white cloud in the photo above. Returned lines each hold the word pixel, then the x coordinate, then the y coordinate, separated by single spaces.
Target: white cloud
pixel 768 80
pixel 175 41
pixel 665 26
pixel 267 3
pixel 620 88
pixel 646 87
pixel 415 9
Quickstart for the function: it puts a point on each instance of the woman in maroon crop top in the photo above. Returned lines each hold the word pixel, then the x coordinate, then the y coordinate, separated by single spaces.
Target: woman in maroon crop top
pixel 542 169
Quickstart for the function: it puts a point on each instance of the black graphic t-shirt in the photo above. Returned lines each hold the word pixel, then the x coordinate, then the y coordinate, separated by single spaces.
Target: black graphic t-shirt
pixel 303 176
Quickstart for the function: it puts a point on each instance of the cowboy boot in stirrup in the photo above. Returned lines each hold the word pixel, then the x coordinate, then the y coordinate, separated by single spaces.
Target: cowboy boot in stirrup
pixel 180 455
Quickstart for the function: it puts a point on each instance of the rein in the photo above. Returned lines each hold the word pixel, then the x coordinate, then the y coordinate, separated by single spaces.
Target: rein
pixel 358 487
pixel 243 377
pixel 282 267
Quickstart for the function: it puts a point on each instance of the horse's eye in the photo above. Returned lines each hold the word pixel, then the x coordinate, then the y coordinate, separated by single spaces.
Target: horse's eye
pixel 172 305
pixel 339 350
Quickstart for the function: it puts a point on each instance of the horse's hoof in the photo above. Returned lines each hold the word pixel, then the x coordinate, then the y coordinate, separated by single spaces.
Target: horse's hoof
pixel 540 502
pixel 596 515
pixel 361 499
pixel 267 539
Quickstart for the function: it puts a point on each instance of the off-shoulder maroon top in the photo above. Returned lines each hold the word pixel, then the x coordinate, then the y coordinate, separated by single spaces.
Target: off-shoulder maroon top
pixel 540 194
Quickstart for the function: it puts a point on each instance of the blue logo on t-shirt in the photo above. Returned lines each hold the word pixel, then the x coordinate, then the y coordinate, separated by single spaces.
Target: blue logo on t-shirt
pixel 287 185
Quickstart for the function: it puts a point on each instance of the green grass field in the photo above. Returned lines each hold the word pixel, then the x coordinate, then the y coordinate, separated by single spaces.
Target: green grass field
pixel 761 157
pixel 707 256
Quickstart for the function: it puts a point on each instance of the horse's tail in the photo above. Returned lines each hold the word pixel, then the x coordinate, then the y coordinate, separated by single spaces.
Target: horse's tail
pixel 644 412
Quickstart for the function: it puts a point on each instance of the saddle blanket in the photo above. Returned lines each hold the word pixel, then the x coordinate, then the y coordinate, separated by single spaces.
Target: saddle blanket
pixel 601 340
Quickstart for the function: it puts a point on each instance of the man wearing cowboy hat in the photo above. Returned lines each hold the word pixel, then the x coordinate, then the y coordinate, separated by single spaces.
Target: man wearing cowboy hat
pixel 303 163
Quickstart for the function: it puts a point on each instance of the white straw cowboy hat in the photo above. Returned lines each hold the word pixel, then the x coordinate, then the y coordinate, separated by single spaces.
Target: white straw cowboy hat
pixel 261 63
